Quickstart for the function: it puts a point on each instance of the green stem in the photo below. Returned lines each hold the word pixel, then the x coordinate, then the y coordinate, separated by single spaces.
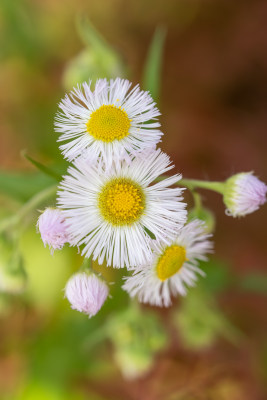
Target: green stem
pixel 197 200
pixel 86 265
pixel 192 184
pixel 195 183
pixel 30 205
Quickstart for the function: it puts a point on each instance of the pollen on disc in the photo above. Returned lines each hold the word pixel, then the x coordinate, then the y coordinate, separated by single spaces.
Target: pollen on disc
pixel 170 262
pixel 108 123
pixel 121 201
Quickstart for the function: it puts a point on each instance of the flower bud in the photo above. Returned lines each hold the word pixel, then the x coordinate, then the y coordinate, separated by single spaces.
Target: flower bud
pixel 94 64
pixel 244 193
pixel 86 292
pixel 137 336
pixel 133 363
pixel 97 60
pixel 53 229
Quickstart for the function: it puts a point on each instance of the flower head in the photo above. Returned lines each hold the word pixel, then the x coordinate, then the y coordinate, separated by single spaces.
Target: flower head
pixel 86 293
pixel 53 228
pixel 244 194
pixel 111 121
pixel 109 212
pixel 172 268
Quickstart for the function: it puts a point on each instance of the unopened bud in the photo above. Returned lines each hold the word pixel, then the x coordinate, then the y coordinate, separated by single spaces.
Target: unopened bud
pixel 53 229
pixel 93 64
pixel 86 292
pixel 244 194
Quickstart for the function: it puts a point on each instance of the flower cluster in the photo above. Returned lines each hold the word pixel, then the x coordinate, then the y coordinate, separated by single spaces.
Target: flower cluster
pixel 116 204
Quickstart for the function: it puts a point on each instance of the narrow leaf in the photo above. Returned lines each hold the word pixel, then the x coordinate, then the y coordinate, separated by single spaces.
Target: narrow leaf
pixel 46 170
pixel 22 186
pixel 89 35
pixel 150 234
pixel 153 64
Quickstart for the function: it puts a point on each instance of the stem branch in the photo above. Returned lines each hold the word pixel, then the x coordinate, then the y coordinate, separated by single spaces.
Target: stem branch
pixel 30 205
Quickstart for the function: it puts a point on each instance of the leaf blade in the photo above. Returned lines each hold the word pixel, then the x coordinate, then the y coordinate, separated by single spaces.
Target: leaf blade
pixel 43 168
pixel 153 64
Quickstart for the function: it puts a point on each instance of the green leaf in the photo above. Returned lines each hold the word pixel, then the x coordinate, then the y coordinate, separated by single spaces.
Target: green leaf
pixel 30 205
pixel 20 28
pixel 46 170
pixel 200 321
pixel 152 69
pixel 150 234
pixel 218 276
pixel 22 186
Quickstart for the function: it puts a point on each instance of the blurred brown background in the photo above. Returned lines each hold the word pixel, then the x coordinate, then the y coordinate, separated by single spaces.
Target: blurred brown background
pixel 213 103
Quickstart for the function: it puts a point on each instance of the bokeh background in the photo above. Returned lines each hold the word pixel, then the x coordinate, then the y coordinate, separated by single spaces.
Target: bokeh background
pixel 213 98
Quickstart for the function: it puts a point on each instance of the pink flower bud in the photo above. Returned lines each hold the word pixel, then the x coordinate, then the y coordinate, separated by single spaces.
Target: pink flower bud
pixel 244 194
pixel 86 293
pixel 53 229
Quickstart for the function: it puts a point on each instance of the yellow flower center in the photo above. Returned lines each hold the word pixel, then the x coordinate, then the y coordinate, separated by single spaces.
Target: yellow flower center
pixel 108 123
pixel 170 262
pixel 121 201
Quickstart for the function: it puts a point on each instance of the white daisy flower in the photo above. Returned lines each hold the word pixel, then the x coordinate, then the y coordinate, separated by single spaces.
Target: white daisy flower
pixel 111 211
pixel 111 121
pixel 172 267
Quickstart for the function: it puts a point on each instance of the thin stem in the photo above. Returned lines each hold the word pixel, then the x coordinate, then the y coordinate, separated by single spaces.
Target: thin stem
pixel 30 205
pixel 197 200
pixel 195 183
pixel 191 184
pixel 86 265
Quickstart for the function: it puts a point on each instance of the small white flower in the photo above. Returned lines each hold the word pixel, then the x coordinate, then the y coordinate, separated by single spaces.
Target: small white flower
pixel 86 293
pixel 244 194
pixel 111 211
pixel 111 121
pixel 172 268
pixel 53 229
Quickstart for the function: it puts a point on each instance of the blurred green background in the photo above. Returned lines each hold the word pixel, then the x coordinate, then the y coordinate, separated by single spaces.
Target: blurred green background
pixel 213 97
